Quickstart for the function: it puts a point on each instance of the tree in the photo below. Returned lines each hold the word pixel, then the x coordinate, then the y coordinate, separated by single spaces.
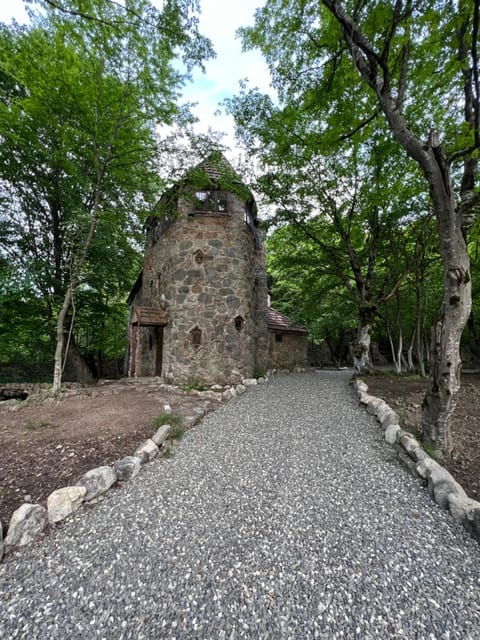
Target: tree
pixel 337 200
pixel 84 88
pixel 417 65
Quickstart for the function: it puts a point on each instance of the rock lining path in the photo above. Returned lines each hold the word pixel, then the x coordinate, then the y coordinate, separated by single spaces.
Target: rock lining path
pixel 282 515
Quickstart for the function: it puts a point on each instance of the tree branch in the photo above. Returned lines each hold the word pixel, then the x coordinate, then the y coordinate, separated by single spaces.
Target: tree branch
pixel 360 126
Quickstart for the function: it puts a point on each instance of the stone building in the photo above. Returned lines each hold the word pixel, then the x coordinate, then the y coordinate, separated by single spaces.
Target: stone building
pixel 198 310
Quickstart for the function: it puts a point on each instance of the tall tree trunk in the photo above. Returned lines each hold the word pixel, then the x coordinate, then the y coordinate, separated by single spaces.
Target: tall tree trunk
pixel 67 301
pixel 58 359
pixel 360 347
pixel 445 362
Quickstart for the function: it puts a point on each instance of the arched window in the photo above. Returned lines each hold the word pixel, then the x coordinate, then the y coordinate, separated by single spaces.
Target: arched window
pixel 239 322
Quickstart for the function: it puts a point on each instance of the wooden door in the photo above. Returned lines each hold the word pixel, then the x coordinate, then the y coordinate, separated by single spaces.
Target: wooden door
pixel 159 352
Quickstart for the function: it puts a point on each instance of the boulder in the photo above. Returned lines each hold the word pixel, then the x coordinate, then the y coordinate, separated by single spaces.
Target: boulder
pixel 391 433
pixel 472 519
pixel 167 408
pixel 241 388
pixel 382 410
pixel 26 523
pixel 425 467
pixel 2 546
pixel 373 404
pixel 365 398
pixel 62 502
pixel 410 444
pixel 360 386
pixel 161 434
pixel 97 481
pixel 147 451
pixel 441 485
pixel 390 417
pixel 249 382
pixel 127 468
pixel 461 507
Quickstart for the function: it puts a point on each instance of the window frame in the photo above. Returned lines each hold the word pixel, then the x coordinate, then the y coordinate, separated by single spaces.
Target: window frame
pixel 215 197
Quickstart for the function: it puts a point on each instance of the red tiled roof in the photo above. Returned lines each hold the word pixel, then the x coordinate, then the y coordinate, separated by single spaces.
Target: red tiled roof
pixel 276 321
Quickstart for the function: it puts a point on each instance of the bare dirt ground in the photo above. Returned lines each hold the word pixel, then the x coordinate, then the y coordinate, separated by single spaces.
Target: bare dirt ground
pixel 405 397
pixel 51 444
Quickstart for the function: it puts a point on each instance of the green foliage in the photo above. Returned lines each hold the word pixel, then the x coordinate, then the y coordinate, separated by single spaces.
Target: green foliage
pixel 358 232
pixel 174 419
pixel 194 384
pixel 176 433
pixel 83 90
pixel 432 449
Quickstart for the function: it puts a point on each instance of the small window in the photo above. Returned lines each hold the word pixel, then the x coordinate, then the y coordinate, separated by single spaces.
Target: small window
pixel 196 337
pixel 238 323
pixel 210 202
pixel 278 337
pixel 198 256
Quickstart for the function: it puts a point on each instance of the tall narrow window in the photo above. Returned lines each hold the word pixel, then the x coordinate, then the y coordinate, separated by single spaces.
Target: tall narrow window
pixel 196 337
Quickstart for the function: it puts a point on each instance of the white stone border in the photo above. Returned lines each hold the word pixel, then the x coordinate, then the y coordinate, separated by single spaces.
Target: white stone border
pixel 444 489
pixel 29 521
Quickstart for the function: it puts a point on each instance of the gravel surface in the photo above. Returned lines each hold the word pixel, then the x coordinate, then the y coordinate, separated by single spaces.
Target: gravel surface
pixel 282 515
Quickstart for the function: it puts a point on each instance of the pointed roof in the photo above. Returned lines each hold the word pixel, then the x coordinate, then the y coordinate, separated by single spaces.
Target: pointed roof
pixel 276 321
pixel 216 168
pixel 216 165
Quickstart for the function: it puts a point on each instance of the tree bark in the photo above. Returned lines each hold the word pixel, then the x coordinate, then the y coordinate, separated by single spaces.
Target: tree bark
pixel 360 348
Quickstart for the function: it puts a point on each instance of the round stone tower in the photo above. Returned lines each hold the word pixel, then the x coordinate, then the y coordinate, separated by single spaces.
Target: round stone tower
pixel 199 309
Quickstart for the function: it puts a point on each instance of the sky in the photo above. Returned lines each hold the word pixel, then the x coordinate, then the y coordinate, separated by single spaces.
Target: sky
pixel 219 21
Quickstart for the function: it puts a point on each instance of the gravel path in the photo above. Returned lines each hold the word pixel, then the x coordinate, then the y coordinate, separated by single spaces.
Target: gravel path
pixel 283 515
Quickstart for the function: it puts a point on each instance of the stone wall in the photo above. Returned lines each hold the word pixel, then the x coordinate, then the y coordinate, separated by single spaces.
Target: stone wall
pixel 211 272
pixel 287 350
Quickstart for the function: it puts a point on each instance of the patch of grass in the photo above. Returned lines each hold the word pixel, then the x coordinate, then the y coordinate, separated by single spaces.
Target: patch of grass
pixel 432 449
pixel 259 374
pixel 33 425
pixel 194 384
pixel 408 375
pixel 176 433
pixel 175 419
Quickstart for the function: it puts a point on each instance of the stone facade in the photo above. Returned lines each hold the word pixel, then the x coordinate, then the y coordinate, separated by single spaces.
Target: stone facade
pixel 204 272
pixel 287 343
pixel 287 350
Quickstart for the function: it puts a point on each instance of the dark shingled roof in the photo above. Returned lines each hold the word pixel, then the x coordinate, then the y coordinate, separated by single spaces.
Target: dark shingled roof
pixel 276 321
pixel 216 165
